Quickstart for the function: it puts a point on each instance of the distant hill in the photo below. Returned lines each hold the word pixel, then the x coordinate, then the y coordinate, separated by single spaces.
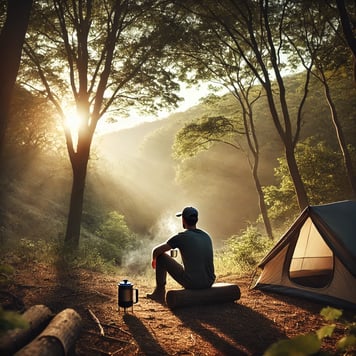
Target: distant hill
pixel 135 174
pixel 217 181
pixel 142 168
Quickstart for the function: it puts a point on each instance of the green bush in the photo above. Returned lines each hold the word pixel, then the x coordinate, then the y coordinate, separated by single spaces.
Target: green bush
pixel 323 175
pixel 115 238
pixel 241 253
pixel 28 250
pixel 101 251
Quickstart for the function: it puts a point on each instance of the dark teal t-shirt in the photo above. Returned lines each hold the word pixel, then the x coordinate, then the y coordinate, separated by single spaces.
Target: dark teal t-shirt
pixel 196 249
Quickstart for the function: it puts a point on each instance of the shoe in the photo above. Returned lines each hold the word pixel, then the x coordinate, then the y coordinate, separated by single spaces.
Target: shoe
pixel 158 295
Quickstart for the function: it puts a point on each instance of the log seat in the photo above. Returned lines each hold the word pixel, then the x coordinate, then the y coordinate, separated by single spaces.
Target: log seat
pixel 218 293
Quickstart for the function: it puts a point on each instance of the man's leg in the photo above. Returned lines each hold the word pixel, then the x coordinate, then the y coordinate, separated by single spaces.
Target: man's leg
pixel 164 264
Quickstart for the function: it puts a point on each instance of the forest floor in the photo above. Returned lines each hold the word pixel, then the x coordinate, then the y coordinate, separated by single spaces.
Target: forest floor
pixel 246 327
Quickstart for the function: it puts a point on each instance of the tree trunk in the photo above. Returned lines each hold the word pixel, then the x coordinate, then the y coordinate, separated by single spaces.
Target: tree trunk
pixel 262 203
pixel 347 27
pixel 296 178
pixel 58 338
pixel 79 168
pixel 342 142
pixel 11 41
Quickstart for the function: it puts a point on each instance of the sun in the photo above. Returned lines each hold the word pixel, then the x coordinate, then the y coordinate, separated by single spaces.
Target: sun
pixel 72 121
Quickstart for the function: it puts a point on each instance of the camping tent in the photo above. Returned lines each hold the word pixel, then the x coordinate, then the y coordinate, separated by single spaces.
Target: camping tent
pixel 316 257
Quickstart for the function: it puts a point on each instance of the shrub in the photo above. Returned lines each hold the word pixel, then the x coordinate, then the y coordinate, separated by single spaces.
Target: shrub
pixel 114 238
pixel 241 253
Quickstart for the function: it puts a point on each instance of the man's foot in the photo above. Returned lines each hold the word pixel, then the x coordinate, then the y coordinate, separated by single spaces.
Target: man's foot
pixel 158 295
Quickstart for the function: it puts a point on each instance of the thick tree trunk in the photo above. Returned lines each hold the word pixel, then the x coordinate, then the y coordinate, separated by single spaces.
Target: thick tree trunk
pixel 296 178
pixel 79 168
pixel 347 27
pixel 58 338
pixel 38 317
pixel 11 41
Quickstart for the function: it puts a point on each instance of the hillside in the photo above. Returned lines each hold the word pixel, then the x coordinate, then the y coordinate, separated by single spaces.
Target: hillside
pixel 218 181
pixel 132 171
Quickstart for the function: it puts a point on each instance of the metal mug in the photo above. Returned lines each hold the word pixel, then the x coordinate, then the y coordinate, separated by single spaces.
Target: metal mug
pixel 126 294
pixel 174 253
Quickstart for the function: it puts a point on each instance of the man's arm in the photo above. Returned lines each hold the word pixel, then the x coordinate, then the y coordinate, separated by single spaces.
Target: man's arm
pixel 158 250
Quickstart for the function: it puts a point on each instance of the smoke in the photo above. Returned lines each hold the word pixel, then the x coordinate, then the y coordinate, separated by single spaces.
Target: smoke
pixel 144 175
pixel 165 227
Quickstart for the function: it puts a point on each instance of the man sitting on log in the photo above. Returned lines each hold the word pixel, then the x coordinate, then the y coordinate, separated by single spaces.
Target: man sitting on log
pixel 196 249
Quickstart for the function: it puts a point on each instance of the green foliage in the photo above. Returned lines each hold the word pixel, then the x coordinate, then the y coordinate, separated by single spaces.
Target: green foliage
pixel 37 250
pixel 30 251
pixel 198 136
pixel 114 238
pixel 241 253
pixel 5 272
pixel 323 175
pixel 330 314
pixel 87 256
pixel 101 251
pixel 311 343
pixel 301 345
pixel 9 319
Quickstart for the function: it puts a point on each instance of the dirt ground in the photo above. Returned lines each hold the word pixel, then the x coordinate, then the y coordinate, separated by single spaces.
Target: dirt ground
pixel 245 327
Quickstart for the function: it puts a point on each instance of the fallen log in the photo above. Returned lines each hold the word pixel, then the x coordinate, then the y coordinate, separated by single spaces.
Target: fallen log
pixel 57 338
pixel 38 317
pixel 218 293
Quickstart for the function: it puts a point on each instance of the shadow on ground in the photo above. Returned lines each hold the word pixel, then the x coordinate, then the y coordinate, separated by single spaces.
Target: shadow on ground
pixel 233 329
pixel 143 336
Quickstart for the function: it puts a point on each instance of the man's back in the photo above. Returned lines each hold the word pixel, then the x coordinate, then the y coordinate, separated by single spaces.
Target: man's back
pixel 196 250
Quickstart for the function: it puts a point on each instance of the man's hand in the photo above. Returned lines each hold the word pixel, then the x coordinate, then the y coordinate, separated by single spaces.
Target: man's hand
pixel 157 251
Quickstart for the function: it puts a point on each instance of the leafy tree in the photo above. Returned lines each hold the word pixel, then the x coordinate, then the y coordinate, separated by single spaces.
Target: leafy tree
pixel 11 42
pixel 207 131
pixel 248 34
pixel 323 174
pixel 317 23
pixel 102 58
pixel 37 130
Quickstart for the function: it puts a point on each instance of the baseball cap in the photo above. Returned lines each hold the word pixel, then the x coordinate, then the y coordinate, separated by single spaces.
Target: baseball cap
pixel 187 212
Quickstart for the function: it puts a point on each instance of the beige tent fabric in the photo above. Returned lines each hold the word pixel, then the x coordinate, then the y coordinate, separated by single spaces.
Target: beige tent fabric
pixel 294 266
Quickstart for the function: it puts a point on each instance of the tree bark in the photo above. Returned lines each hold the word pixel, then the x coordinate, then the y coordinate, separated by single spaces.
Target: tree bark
pixel 341 140
pixel 11 41
pixel 296 178
pixel 347 27
pixel 58 338
pixel 79 163
pixel 262 203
